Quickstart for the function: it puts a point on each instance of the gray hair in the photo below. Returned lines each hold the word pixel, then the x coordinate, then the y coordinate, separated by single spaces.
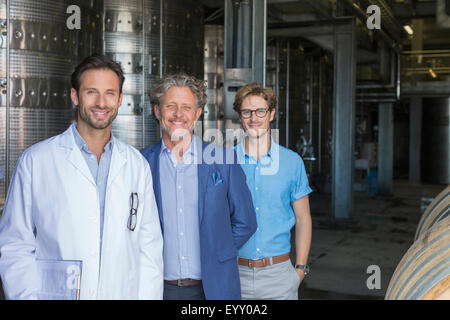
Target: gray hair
pixel 197 87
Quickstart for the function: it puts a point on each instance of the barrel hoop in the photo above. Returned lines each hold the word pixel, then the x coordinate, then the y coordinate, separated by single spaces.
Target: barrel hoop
pixel 439 272
pixel 444 213
pixel 416 255
pixel 418 268
pixel 427 214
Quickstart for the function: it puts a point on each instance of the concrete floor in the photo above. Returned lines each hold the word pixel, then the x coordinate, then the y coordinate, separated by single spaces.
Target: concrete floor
pixel 379 232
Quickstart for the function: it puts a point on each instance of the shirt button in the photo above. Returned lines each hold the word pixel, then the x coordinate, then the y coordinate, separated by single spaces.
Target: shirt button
pixel 180 210
pixel 257 209
pixel 92 156
pixel 256 188
pixel 257 249
pixel 179 187
pixel 181 234
pixel 182 257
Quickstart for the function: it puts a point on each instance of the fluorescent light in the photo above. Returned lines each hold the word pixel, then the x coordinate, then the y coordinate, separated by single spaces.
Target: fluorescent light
pixel 432 73
pixel 408 29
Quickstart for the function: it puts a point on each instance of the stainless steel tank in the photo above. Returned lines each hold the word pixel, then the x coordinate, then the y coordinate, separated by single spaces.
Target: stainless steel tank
pixel 149 47
pixel 182 37
pixel 436 140
pixel 149 38
pixel 213 67
pixel 43 53
pixel 125 43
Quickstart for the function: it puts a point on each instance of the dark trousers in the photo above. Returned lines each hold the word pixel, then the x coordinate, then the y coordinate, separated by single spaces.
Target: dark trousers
pixel 174 292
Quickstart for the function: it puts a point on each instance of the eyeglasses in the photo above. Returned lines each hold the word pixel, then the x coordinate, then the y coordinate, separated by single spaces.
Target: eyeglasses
pixel 134 204
pixel 260 113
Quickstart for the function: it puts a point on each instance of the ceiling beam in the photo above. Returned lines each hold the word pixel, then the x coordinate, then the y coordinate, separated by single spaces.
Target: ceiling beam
pixel 323 10
pixel 422 10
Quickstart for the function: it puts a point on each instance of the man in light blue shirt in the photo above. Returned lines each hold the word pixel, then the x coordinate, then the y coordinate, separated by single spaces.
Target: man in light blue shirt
pixel 179 192
pixel 279 186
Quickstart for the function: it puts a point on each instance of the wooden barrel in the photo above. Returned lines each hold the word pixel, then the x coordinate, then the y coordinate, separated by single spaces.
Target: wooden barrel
pixel 424 271
pixel 436 211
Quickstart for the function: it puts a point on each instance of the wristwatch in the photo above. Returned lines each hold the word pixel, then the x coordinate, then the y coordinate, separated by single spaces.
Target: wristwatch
pixel 303 267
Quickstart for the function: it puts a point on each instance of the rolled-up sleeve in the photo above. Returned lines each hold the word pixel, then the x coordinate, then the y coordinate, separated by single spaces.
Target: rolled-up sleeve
pixel 300 184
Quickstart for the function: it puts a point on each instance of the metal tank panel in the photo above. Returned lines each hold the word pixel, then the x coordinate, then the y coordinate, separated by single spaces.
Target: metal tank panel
pixel 183 37
pixel 3 153
pixel 133 38
pixel 128 28
pixel 213 69
pixel 43 53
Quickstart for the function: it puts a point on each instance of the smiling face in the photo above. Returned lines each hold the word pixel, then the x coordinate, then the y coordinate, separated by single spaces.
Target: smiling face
pixel 256 126
pixel 178 112
pixel 98 99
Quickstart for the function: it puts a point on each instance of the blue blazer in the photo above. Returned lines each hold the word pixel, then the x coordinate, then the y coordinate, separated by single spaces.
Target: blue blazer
pixel 226 219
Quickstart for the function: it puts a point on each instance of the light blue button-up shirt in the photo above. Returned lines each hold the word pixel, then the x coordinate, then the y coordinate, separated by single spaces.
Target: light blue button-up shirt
pixel 100 171
pixel 276 180
pixel 179 195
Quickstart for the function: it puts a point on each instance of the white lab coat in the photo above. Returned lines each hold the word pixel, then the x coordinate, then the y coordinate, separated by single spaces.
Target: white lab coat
pixel 52 211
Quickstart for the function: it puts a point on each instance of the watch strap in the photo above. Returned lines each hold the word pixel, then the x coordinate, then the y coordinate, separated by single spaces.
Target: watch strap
pixel 303 267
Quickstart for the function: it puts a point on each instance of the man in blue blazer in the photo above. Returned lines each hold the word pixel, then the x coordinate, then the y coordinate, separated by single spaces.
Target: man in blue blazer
pixel 205 207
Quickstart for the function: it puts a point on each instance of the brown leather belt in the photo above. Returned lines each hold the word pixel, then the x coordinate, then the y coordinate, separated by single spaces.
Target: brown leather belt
pixel 184 282
pixel 263 262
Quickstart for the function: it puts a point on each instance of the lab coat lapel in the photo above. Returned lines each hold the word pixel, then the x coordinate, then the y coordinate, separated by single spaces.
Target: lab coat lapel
pixel 74 156
pixel 118 160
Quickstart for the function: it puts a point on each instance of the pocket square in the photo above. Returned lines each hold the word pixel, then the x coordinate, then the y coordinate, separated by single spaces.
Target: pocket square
pixel 217 178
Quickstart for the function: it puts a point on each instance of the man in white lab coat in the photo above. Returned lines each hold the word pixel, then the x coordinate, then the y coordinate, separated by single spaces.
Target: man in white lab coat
pixel 84 195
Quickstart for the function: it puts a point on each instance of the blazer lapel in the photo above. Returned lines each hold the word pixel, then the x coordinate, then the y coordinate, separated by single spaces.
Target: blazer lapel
pixel 203 172
pixel 154 165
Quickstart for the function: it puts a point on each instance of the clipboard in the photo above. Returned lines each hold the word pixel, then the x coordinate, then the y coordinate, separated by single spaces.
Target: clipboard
pixel 59 279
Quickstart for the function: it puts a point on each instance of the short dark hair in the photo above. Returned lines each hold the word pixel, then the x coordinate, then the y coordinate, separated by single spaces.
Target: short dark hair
pixel 96 61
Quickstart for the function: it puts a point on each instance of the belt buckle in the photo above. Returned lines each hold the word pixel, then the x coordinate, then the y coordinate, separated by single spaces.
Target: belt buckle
pixel 180 282
pixel 249 263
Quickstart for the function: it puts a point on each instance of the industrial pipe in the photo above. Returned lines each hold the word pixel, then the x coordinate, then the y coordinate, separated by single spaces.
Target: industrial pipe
pixel 362 16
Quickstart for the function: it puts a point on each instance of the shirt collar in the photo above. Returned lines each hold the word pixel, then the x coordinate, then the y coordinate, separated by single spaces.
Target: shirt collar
pixel 191 152
pixel 81 143
pixel 242 155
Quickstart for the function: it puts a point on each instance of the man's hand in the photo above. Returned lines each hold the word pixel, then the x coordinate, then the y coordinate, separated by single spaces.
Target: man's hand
pixel 301 274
